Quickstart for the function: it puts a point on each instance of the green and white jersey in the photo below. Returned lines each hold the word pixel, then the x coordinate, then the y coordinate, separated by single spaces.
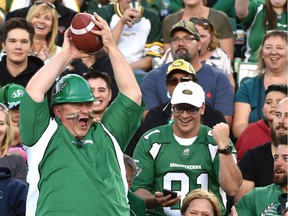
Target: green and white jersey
pixel 163 163
pixel 262 201
pixel 256 30
pixel 71 177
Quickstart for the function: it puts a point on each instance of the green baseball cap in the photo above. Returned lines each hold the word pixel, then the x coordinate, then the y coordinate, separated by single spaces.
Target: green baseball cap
pixel 187 26
pixel 11 95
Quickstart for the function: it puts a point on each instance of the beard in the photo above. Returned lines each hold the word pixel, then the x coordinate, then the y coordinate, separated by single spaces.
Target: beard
pixel 275 135
pixel 182 53
pixel 282 181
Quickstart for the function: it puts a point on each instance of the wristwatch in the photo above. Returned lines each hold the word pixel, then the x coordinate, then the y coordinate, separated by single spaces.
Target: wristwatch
pixel 227 150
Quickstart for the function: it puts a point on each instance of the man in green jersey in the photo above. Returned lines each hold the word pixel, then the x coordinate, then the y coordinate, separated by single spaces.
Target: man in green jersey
pixel 271 199
pixel 76 166
pixel 185 155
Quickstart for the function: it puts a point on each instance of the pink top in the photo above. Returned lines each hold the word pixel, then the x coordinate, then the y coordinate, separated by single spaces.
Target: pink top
pixel 18 150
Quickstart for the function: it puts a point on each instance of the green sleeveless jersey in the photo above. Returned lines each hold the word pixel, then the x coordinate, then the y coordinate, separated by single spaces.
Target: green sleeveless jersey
pixel 77 177
pixel 164 163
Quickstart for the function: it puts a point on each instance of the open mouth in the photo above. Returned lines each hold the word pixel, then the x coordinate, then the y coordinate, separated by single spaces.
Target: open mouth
pixel 281 128
pixel 278 172
pixel 98 102
pixel 185 121
pixel 83 122
pixel 40 27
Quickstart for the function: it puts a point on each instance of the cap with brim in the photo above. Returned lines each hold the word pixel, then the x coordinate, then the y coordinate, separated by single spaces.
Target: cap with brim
pixel 187 26
pixel 11 95
pixel 188 93
pixel 180 65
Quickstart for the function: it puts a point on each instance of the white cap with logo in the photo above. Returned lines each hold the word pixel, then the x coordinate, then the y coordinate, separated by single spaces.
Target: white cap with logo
pixel 188 93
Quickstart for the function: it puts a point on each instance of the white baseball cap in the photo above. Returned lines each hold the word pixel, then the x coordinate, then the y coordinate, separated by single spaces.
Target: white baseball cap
pixel 188 93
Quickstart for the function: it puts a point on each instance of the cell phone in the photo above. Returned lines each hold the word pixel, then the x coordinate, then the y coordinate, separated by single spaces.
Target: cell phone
pixel 167 192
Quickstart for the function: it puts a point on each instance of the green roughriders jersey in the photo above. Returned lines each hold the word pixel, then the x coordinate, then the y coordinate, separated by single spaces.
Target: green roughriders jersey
pixel 256 30
pixel 163 163
pixel 77 177
pixel 263 201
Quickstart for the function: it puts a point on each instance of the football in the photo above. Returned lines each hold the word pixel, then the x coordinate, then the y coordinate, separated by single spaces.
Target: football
pixel 82 38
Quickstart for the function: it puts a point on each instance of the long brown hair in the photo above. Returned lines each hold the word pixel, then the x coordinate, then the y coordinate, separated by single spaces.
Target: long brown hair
pixel 270 19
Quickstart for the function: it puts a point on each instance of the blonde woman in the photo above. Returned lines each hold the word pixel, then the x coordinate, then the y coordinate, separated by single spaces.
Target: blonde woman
pixel 200 202
pixel 43 17
pixel 14 162
pixel 272 67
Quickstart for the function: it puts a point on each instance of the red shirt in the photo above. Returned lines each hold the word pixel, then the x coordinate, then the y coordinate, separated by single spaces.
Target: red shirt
pixel 257 133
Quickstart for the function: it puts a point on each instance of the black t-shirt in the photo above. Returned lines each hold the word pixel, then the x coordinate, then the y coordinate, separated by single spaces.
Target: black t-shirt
pixel 257 165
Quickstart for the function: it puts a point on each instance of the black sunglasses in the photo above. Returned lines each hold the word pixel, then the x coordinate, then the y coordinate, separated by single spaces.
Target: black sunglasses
pixel 172 81
pixel 282 209
pixel 3 107
pixel 205 23
pixel 47 3
pixel 79 142
pixel 191 110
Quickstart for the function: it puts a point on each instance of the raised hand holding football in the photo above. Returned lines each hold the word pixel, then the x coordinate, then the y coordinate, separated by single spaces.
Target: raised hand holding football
pixel 82 38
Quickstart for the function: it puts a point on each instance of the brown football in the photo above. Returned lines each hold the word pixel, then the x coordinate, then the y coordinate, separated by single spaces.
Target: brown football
pixel 82 38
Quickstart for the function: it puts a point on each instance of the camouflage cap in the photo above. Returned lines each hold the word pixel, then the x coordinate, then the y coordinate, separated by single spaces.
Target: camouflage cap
pixel 187 26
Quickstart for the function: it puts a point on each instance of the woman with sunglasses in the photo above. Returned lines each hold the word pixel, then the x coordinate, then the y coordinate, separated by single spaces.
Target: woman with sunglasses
pixel 210 52
pixel 197 8
pixel 65 15
pixel 14 162
pixel 44 18
pixel 18 4
pixel 258 18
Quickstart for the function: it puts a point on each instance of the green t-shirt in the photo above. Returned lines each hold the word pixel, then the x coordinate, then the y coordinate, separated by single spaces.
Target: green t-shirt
pixel 163 163
pixel 66 179
pixel 260 201
pixel 252 92
pixel 256 30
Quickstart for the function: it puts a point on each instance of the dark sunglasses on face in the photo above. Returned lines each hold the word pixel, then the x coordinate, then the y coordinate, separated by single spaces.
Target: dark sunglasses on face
pixel 172 81
pixel 47 3
pixel 191 110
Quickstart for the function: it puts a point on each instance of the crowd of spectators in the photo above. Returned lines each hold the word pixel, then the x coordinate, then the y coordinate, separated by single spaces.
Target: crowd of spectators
pixel 160 107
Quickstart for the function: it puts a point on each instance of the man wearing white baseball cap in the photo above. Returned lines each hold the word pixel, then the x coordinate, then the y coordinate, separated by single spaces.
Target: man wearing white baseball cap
pixel 189 93
pixel 184 156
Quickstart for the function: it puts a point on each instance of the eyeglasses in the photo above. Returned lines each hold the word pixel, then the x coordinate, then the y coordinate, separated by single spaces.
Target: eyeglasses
pixel 3 107
pixel 185 40
pixel 191 110
pixel 172 81
pixel 205 23
pixel 282 209
pixel 47 3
